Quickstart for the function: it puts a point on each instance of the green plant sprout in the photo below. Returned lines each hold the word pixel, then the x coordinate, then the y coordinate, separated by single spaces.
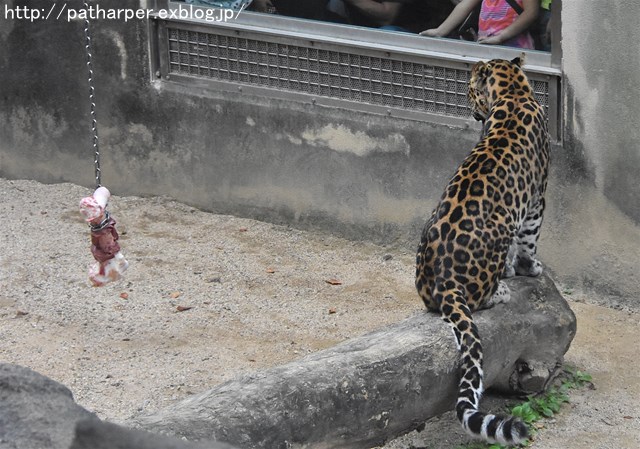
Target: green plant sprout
pixel 567 291
pixel 545 405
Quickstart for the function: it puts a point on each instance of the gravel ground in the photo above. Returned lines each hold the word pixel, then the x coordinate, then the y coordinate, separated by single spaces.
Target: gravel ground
pixel 208 297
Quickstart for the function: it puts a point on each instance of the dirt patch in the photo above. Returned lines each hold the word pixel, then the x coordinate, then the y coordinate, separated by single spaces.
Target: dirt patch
pixel 258 294
pixel 258 297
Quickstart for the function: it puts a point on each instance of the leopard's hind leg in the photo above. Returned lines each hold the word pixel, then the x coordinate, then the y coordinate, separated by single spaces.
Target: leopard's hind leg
pixel 510 261
pixel 525 262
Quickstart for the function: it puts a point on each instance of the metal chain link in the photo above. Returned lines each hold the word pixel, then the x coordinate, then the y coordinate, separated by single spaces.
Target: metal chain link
pixel 94 121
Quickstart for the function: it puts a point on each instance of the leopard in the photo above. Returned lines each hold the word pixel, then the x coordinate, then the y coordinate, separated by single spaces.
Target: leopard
pixel 485 228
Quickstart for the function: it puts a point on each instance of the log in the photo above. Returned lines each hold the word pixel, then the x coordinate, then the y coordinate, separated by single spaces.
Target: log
pixel 376 387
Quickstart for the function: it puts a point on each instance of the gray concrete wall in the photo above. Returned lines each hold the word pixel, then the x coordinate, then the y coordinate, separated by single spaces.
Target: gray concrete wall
pixel 359 175
pixel 593 227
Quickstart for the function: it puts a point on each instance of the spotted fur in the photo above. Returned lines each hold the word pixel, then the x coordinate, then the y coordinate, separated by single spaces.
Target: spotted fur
pixel 486 227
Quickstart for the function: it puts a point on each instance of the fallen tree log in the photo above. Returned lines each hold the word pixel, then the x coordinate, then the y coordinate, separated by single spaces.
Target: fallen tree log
pixel 378 386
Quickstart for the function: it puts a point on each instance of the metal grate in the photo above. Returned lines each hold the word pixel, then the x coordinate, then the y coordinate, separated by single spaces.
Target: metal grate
pixel 339 74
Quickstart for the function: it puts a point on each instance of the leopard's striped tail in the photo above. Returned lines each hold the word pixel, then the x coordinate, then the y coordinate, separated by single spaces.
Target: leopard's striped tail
pixel 508 431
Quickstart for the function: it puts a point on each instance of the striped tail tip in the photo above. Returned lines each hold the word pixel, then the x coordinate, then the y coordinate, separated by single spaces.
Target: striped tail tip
pixel 508 431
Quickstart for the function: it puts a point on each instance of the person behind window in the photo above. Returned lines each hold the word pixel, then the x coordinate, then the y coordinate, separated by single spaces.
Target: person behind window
pixel 541 30
pixel 398 15
pixel 364 12
pixel 372 13
pixel 303 9
pixel 499 23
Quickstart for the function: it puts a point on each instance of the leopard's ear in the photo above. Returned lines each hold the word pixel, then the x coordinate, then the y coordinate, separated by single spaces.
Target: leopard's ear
pixel 481 68
pixel 519 61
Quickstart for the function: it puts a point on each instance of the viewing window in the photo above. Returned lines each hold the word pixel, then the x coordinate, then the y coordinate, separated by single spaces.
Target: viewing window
pixel 332 53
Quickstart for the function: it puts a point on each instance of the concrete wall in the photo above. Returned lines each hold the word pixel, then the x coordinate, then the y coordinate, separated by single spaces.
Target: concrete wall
pixel 592 231
pixel 359 175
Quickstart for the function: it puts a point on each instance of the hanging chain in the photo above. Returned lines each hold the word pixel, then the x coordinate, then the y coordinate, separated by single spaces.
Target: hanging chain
pixel 94 121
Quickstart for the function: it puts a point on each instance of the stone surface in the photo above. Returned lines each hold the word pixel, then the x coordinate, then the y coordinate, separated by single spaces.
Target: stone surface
pixel 95 434
pixel 373 388
pixel 37 412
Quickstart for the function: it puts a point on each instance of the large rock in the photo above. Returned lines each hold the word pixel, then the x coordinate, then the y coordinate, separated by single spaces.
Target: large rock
pixel 35 411
pixel 376 387
pixel 39 413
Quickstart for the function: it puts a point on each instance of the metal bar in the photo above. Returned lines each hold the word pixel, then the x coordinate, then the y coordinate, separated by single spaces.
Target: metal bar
pixel 154 52
pixel 163 49
pixel 554 108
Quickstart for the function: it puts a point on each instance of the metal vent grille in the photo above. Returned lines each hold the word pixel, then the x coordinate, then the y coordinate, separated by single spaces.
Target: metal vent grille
pixel 339 74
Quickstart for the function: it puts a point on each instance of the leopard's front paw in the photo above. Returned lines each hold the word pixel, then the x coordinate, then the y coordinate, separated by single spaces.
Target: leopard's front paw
pixel 502 295
pixel 532 267
pixel 509 271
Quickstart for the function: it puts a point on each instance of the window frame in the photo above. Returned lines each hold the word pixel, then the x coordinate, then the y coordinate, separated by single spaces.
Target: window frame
pixel 368 41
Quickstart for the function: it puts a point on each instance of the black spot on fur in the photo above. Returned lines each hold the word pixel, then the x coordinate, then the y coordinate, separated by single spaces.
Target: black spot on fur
pixel 428 255
pixel 472 208
pixel 460 278
pixel 443 210
pixel 472 372
pixel 508 199
pixel 466 225
pixel 500 115
pixel 461 256
pixel 456 214
pixel 492 427
pixel 477 188
pixel 444 230
pixel 488 166
pixel 460 269
pixel 506 428
pixel 475 422
pixel 463 239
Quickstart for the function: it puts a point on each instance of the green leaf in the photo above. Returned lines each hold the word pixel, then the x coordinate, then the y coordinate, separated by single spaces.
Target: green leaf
pixel 546 411
pixel 554 406
pixel 583 377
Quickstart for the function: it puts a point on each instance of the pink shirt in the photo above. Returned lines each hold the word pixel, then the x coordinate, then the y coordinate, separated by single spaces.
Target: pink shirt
pixel 495 16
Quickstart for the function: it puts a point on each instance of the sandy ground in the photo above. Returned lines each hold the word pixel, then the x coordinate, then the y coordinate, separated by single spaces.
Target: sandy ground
pixel 256 296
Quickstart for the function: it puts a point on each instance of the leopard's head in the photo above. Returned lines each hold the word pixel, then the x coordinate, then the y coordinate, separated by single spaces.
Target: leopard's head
pixel 485 77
